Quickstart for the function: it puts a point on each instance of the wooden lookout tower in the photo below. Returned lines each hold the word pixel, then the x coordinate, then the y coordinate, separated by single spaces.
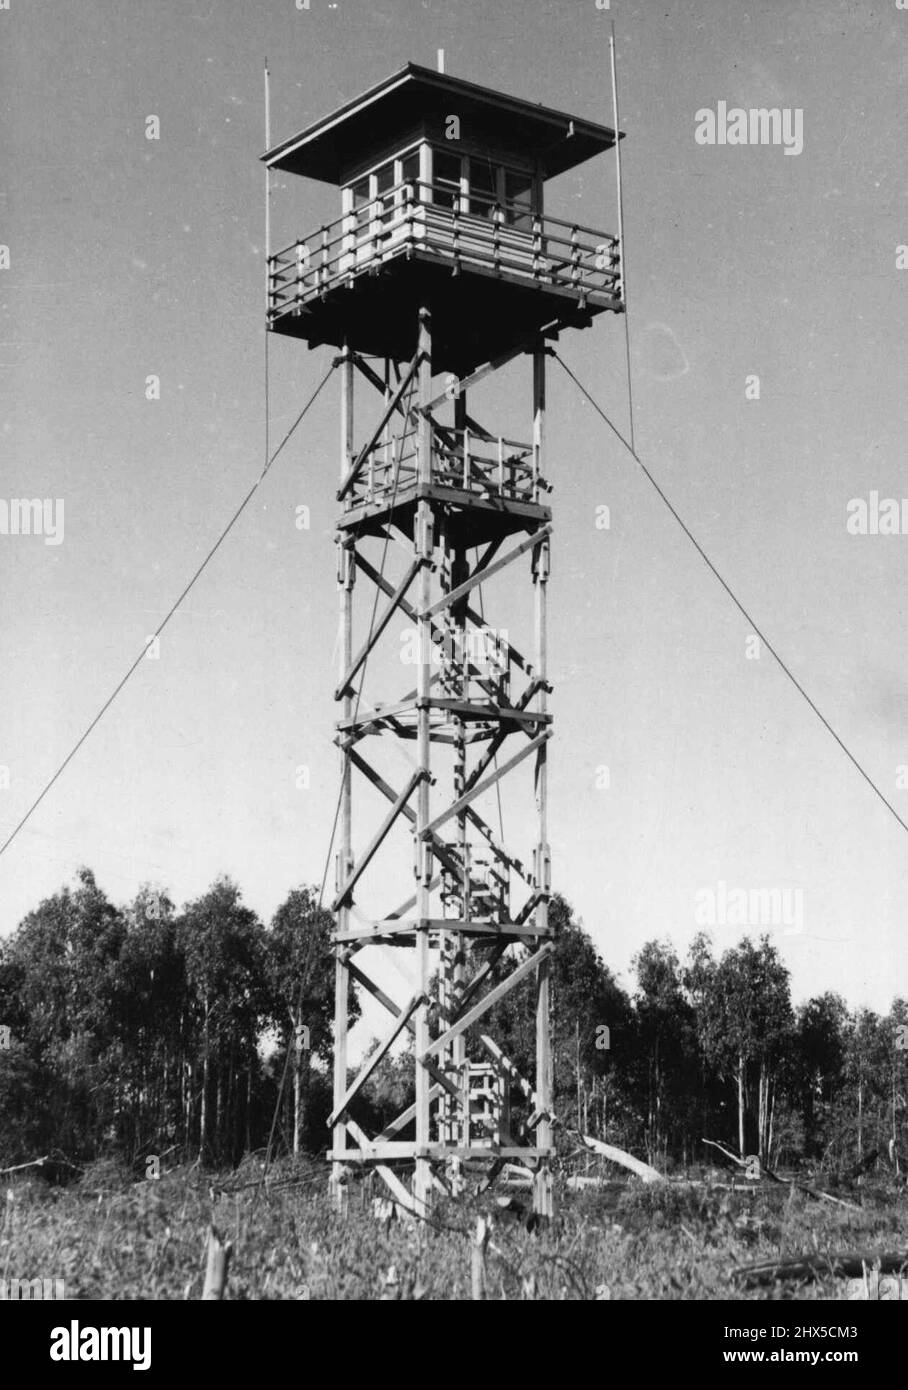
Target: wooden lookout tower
pixel 442 267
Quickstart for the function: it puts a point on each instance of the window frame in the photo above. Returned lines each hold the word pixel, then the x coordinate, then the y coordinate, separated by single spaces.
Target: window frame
pixel 369 227
pixel 500 172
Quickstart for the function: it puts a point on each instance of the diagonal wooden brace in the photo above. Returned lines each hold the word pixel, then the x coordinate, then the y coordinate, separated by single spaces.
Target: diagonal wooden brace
pixel 377 839
pixel 443 852
pixel 388 1176
pixel 368 1067
pixel 397 599
pixel 386 416
pixel 528 344
pixel 443 1083
pixel 482 974
pixel 488 1001
pixel 480 787
pixel 480 575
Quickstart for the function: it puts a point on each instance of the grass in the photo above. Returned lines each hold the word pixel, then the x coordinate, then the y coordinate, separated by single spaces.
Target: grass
pixel 109 1237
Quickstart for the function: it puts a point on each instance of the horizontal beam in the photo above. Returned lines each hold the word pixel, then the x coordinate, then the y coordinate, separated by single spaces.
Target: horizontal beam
pixel 469 926
pixel 376 931
pixel 408 1149
pixel 381 932
pixel 469 709
pixel 464 709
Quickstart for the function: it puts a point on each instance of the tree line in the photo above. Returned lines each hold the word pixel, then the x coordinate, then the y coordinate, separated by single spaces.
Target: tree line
pixel 145 1031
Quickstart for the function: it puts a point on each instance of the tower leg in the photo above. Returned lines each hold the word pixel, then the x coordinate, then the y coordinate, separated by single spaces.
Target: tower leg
pixel 346 576
pixel 543 1203
pixel 423 547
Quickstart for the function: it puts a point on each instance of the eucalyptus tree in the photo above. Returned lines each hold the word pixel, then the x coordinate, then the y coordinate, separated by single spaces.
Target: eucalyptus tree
pixel 223 945
pixel 865 1072
pixel 299 967
pixel 818 1063
pixel 744 1025
pixel 665 1062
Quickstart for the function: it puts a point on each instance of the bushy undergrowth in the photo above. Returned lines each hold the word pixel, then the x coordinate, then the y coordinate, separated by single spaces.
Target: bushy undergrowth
pixel 111 1238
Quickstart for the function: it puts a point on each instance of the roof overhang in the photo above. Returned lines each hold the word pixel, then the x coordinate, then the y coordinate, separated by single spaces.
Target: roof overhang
pixel 331 146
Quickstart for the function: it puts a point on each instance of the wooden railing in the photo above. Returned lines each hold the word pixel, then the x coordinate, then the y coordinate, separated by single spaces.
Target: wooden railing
pixel 468 460
pixel 506 239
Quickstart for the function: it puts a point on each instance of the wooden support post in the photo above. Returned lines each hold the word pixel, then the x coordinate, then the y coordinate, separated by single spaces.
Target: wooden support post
pixel 542 1187
pixel 344 867
pixel 325 268
pixel 423 545
pixel 300 284
pixel 456 569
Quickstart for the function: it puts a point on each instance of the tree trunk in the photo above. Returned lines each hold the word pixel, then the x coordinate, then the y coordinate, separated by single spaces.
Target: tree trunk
pixel 297 1073
pixel 203 1119
pixel 741 1106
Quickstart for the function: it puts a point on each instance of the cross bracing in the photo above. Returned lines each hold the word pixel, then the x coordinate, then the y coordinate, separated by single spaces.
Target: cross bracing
pixel 459 506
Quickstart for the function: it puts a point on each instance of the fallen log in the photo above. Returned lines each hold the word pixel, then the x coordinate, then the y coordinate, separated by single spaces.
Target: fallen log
pixel 816 1192
pixel 635 1165
pixel 742 1163
pixel 851 1264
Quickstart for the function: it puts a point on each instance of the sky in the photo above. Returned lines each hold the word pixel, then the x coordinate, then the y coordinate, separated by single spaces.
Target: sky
pixel 131 258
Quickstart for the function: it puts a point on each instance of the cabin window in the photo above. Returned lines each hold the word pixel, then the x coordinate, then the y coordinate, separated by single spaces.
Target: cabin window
pixel 384 183
pixel 378 199
pixel 409 172
pixel 477 185
pixel 483 188
pixel 518 199
pixel 446 179
pixel 361 206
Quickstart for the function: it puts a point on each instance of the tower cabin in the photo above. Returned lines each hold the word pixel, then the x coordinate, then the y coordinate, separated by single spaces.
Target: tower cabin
pixel 442 205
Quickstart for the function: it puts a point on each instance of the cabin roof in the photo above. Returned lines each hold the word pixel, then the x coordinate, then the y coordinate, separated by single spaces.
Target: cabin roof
pixel 328 148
